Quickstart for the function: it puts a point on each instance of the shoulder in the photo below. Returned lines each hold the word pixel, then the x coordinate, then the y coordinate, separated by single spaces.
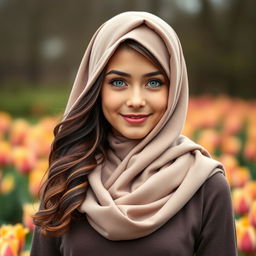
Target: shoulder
pixel 217 231
pixel 216 185
pixel 216 195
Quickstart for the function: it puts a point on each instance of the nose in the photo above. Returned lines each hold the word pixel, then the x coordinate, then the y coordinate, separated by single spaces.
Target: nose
pixel 136 98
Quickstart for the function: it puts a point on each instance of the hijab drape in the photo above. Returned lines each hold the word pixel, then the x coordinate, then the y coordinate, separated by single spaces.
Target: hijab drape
pixel 142 184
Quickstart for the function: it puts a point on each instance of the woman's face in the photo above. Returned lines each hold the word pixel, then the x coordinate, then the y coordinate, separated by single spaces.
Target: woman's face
pixel 134 94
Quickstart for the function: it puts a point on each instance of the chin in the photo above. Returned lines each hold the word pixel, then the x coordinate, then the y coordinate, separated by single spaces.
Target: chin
pixel 135 136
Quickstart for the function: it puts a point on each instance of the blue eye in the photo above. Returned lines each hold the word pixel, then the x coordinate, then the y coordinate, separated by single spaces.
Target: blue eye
pixel 117 83
pixel 155 83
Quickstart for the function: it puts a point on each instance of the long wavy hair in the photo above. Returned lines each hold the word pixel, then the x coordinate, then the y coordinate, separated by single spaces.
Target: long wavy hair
pixel 79 140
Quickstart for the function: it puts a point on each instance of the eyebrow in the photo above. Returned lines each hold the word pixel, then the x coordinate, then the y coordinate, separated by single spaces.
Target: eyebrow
pixel 117 72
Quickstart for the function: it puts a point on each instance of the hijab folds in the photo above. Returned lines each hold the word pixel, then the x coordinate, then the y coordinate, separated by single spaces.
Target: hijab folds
pixel 142 184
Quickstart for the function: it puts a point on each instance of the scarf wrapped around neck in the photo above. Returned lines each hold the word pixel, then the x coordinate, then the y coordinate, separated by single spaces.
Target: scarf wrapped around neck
pixel 143 183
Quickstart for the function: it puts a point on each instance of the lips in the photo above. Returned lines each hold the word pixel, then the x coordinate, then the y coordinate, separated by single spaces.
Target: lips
pixel 135 118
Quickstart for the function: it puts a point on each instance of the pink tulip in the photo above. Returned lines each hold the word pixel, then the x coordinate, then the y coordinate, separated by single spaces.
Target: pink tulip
pixel 246 239
pixel 252 214
pixel 233 123
pixel 209 139
pixel 19 131
pixel 241 202
pixel 6 250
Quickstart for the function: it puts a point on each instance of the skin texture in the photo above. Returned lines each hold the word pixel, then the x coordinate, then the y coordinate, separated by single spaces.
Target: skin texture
pixel 133 94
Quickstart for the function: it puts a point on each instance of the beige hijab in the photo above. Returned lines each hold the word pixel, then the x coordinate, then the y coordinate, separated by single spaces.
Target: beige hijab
pixel 142 184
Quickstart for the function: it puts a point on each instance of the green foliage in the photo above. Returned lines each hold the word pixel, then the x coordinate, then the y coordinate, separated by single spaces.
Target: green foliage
pixel 11 210
pixel 35 102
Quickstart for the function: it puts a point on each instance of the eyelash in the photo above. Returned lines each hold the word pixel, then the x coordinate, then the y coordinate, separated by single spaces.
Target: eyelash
pixel 117 80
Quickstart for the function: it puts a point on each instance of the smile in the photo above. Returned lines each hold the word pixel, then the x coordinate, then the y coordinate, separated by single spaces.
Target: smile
pixel 135 119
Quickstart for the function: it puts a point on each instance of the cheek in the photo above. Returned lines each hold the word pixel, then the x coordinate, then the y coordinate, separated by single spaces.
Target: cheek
pixel 110 101
pixel 160 101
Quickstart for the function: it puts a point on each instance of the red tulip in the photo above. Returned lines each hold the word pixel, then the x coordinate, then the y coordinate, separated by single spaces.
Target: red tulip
pixel 250 150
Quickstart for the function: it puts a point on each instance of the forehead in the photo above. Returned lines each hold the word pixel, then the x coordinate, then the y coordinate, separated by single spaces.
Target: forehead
pixel 125 57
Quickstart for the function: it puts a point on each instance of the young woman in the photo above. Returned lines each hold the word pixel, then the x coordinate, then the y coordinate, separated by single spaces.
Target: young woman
pixel 122 180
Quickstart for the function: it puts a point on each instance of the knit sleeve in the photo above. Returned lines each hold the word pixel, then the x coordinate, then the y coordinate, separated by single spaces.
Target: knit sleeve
pixel 42 246
pixel 218 234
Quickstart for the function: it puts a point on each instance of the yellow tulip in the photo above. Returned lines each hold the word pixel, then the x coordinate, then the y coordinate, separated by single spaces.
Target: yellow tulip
pixel 7 184
pixel 5 153
pixel 25 253
pixel 251 131
pixel 240 176
pixel 23 159
pixel 230 163
pixel 28 211
pixel 39 141
pixel 250 189
pixel 230 145
pixel 19 131
pixel 37 177
pixel 12 239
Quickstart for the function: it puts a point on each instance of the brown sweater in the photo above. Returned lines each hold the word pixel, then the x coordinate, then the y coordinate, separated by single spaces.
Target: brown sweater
pixel 203 227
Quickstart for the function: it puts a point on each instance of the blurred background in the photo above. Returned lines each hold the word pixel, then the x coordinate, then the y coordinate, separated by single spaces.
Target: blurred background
pixel 42 44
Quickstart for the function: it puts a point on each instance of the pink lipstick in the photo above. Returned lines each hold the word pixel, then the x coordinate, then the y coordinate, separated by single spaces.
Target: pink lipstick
pixel 135 119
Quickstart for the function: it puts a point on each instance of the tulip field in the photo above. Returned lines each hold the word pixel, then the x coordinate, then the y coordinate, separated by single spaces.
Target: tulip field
pixel 225 126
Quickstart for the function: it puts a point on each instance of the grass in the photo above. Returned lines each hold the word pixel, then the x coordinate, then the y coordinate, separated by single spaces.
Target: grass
pixel 28 101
